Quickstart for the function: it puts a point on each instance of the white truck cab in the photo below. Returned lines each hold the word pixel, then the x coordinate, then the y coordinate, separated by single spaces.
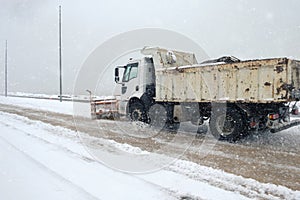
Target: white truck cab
pixel 138 78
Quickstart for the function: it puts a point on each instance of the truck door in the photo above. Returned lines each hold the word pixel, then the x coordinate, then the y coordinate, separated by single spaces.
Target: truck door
pixel 130 83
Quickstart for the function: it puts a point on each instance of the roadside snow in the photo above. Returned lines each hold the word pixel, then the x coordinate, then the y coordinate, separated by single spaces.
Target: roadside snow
pixel 24 178
pixel 59 150
pixel 249 187
pixel 66 107
pixel 60 165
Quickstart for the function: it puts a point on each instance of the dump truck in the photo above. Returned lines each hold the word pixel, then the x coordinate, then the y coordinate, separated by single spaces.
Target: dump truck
pixel 167 87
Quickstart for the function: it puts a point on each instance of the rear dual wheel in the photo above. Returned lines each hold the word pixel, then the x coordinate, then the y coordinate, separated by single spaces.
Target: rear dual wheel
pixel 157 116
pixel 159 119
pixel 227 124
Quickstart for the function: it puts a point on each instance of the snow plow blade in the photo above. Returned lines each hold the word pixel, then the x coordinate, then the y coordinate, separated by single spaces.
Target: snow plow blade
pixel 285 126
pixel 104 109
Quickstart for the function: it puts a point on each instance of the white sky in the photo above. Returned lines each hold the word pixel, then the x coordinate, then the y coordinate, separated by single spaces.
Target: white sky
pixel 243 28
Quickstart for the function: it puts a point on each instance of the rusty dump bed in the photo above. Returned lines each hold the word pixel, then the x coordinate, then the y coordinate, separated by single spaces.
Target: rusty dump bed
pixel 253 81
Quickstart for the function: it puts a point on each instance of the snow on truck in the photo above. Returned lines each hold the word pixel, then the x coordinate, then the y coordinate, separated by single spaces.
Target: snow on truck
pixel 167 87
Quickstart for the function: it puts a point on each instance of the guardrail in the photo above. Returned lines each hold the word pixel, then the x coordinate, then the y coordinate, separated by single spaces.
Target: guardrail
pixel 50 98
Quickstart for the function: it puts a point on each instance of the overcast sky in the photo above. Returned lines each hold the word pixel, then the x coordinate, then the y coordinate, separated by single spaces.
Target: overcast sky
pixel 243 28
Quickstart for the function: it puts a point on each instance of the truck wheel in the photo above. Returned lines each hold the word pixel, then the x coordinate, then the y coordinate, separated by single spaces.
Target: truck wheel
pixel 137 112
pixel 157 116
pixel 227 125
pixel 158 119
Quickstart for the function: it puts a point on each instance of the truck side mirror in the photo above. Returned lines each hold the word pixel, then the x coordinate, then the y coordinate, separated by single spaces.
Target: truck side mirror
pixel 117 78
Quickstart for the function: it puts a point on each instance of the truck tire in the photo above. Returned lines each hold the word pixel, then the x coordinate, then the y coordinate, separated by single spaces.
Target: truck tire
pixel 157 116
pixel 227 124
pixel 159 119
pixel 137 112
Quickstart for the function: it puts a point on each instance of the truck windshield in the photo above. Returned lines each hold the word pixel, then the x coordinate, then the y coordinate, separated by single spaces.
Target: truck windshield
pixel 131 71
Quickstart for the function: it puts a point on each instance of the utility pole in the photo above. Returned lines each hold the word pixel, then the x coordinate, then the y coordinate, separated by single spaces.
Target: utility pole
pixel 60 57
pixel 6 68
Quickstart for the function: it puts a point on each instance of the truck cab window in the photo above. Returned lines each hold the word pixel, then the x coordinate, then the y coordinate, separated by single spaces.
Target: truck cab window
pixel 131 72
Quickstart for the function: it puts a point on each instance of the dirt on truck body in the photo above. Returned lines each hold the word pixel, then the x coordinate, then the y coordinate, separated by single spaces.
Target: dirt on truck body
pixel 255 81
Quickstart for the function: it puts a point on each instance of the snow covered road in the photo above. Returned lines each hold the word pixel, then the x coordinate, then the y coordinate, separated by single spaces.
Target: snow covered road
pixel 37 167
pixel 41 153
pixel 39 163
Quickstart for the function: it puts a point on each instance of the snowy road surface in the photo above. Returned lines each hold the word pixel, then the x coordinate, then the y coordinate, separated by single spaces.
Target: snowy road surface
pixel 42 157
pixel 37 166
